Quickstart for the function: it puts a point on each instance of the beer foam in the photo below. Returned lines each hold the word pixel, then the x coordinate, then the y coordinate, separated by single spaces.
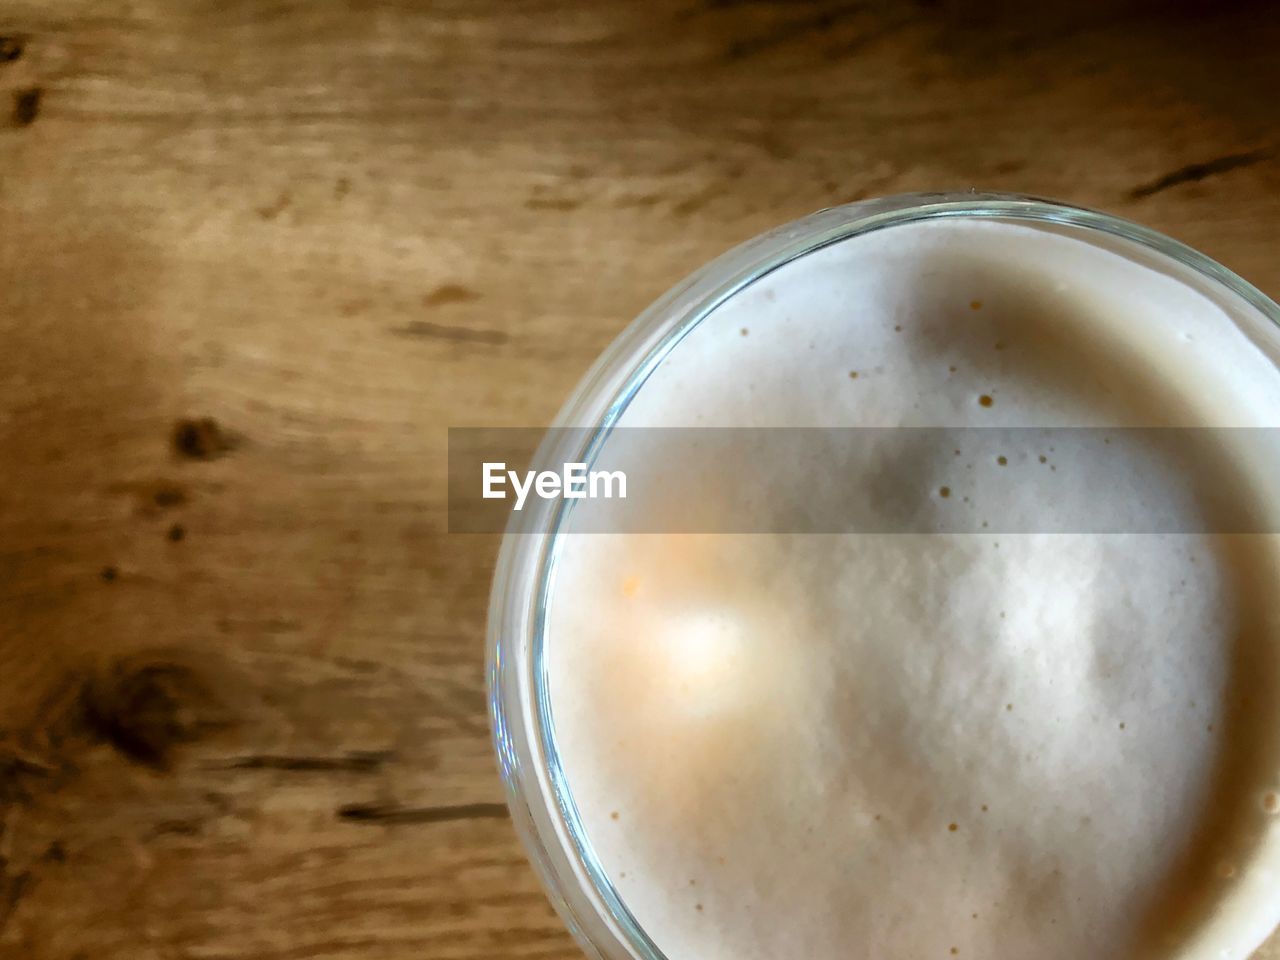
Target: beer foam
pixel 934 745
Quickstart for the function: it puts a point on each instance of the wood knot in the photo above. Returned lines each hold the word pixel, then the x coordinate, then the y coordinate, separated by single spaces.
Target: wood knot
pixel 11 48
pixel 26 106
pixel 200 438
pixel 145 710
pixel 168 495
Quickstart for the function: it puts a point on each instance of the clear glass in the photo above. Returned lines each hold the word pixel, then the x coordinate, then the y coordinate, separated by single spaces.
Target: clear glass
pixel 541 803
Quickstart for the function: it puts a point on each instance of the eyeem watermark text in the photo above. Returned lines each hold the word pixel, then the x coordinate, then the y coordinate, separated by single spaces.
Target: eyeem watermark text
pixel 574 482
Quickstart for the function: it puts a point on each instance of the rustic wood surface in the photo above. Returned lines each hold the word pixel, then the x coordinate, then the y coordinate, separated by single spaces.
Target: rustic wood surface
pixel 257 256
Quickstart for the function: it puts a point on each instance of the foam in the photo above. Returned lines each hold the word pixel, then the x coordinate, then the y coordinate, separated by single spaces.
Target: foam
pixel 912 746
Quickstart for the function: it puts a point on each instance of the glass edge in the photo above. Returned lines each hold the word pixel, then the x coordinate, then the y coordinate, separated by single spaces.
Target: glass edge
pixel 622 370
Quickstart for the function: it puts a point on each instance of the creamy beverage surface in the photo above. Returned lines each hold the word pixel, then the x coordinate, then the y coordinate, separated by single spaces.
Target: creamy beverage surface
pixel 1030 746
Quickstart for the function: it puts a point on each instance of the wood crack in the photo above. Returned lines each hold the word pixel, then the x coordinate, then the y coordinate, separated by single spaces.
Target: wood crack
pixel 1195 172
pixel 355 762
pixel 393 814
pixel 443 331
pixel 818 22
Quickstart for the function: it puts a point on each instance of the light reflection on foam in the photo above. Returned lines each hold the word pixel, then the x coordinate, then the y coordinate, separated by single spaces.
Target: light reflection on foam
pixel 705 665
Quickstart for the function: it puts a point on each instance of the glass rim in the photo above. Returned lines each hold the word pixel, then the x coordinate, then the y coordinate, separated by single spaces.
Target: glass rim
pixel 537 789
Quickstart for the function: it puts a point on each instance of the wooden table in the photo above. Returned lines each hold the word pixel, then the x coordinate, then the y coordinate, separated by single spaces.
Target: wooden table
pixel 258 254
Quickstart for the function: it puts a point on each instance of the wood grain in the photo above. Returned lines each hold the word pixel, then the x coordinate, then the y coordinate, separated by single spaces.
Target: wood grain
pixel 259 254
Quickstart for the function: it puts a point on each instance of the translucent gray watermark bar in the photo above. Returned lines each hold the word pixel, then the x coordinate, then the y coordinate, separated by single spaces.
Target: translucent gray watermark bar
pixel 908 480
